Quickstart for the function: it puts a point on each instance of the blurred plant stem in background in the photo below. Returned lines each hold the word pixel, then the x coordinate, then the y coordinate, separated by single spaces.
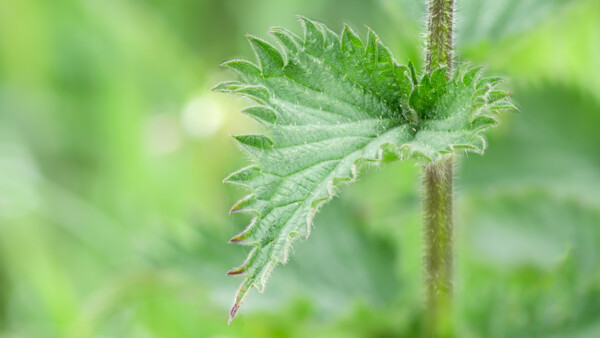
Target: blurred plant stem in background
pixel 112 153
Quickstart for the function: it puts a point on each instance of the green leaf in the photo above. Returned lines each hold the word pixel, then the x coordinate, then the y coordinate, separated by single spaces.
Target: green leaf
pixel 330 105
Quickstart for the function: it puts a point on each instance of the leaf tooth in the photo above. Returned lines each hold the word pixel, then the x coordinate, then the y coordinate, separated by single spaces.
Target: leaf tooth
pixel 242 176
pixel 472 75
pixel 504 104
pixel 313 36
pixel 239 238
pixel 478 103
pixel 418 98
pixel 480 93
pixel 438 78
pixel 488 82
pixel 254 145
pixel 258 233
pixel 459 72
pixel 241 271
pixel 245 268
pixel 244 67
pixel 467 147
pixel 258 93
pixel 413 73
pixel 271 61
pixel 227 86
pixel 477 143
pixel 351 42
pixel 414 100
pixel 403 79
pixel 244 205
pixel 338 180
pixel 371 46
pixel 385 56
pixel 261 113
pixel 239 298
pixel 232 312
pixel 288 245
pixel 387 153
pixel 332 39
pixel 497 95
pixel 425 82
pixel 258 141
pixel 409 151
pixel 483 122
pixel 288 40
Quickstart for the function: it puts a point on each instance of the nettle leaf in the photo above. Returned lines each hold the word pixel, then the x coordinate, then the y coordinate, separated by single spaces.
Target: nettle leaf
pixel 331 104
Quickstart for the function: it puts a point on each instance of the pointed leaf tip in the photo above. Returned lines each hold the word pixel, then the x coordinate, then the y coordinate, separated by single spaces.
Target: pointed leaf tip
pixel 243 204
pixel 413 72
pixel 288 40
pixel 351 41
pixel 233 312
pixel 472 75
pixel 255 140
pixel 271 61
pixel 258 93
pixel 438 77
pixel 261 113
pixel 497 95
pixel 371 35
pixel 244 67
pixel 489 81
pixel 243 175
pixel 237 271
pixel 236 240
pixel 313 35
pixel 227 86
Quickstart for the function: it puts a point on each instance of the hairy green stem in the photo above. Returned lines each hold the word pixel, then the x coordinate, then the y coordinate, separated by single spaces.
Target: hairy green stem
pixel 439 34
pixel 438 246
pixel 438 178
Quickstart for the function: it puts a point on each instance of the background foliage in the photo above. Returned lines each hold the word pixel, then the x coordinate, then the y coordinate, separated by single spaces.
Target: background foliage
pixel 113 217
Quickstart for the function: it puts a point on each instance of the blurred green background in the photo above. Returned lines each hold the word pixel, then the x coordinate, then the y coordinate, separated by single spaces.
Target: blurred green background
pixel 113 217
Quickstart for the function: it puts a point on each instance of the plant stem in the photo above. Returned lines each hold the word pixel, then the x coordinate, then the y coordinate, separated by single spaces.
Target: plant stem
pixel 439 34
pixel 438 178
pixel 438 246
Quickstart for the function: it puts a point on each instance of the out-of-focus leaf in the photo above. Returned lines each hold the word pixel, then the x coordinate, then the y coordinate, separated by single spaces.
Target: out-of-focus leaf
pixel 551 146
pixel 491 20
pixel 529 266
pixel 531 210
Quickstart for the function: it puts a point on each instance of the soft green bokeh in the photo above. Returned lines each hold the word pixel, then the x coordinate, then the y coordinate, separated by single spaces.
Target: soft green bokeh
pixel 113 217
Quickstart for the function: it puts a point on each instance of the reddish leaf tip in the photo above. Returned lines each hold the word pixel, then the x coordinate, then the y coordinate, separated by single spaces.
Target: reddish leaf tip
pixel 236 239
pixel 236 272
pixel 232 313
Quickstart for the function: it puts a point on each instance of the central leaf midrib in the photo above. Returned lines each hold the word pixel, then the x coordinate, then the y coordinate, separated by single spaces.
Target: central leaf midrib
pixel 373 134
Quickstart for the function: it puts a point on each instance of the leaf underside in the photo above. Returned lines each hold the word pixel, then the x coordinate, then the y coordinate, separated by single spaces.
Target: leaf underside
pixel 331 104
